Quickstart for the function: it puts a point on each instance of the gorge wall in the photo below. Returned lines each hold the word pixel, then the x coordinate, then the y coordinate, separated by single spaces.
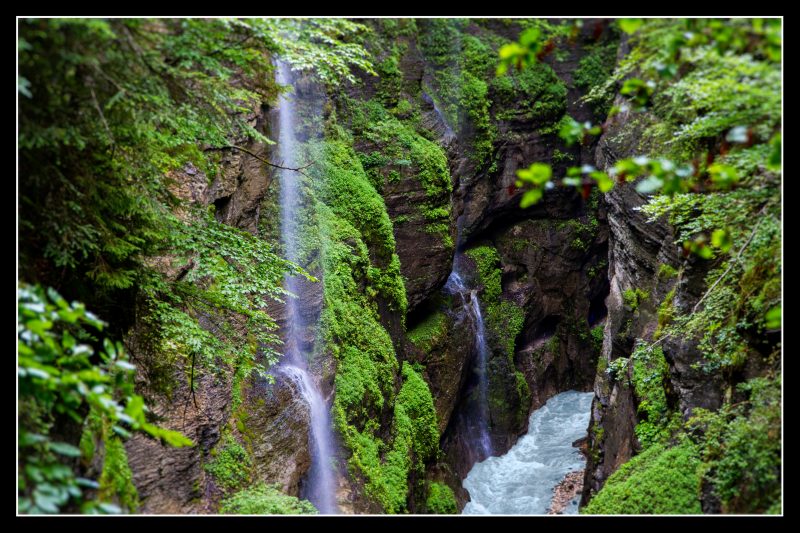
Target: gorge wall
pixel 409 169
pixel 440 171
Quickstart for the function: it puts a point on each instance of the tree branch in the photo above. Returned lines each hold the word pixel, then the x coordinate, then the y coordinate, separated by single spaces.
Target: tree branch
pixel 269 163
pixel 735 260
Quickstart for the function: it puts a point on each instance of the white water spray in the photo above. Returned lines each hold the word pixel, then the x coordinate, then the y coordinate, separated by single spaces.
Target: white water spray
pixel 522 481
pixel 472 306
pixel 320 483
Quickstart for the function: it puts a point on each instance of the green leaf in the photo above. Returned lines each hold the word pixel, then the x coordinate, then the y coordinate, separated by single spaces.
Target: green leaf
pixel 537 173
pixel 773 318
pixel 649 185
pixel 604 182
pixel 721 238
pixel 530 197
pixel 24 87
pixel 724 176
pixel 27 439
pixel 705 252
pixel 125 365
pixel 774 162
pixel 630 26
pixel 64 449
pixel 737 135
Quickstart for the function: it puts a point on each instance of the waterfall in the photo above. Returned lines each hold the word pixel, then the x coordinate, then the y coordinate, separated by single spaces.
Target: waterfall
pixel 522 481
pixel 472 307
pixel 320 483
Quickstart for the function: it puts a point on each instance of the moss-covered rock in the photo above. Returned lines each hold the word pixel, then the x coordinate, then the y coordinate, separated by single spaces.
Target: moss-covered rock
pixel 263 499
pixel 661 480
pixel 441 499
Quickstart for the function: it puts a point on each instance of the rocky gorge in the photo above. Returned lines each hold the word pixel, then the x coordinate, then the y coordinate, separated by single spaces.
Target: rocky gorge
pixel 409 174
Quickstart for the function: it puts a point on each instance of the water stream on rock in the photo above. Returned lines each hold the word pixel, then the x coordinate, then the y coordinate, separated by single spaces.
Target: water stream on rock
pixel 522 480
pixel 320 484
pixel 472 307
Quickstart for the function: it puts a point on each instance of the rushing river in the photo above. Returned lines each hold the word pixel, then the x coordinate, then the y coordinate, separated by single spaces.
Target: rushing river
pixel 522 480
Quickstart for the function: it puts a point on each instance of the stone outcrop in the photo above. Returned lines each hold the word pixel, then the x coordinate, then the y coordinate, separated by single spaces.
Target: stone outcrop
pixel 637 249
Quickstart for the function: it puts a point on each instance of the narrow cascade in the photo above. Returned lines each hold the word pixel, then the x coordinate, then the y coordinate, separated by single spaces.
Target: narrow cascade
pixel 522 481
pixel 320 483
pixel 479 425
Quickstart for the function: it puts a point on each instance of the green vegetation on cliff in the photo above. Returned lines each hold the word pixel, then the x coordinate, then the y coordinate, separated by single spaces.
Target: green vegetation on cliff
pixel 59 385
pixel 429 332
pixel 393 149
pixel 120 122
pixel 265 499
pixel 137 136
pixel 462 66
pixel 504 320
pixel 441 499
pixel 701 105
pixel 660 480
pixel 359 267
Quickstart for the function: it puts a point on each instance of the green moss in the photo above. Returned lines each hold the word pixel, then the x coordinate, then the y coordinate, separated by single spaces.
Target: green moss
pixel 230 465
pixel 634 297
pixel 487 261
pixel 504 319
pixel 464 64
pixel 415 439
pixel 666 312
pixel 561 157
pixel 596 270
pixel 597 334
pixel 666 271
pixel 429 332
pixel 391 78
pixel 593 72
pixel 741 447
pixel 660 480
pixel 650 369
pixel 523 392
pixel 553 343
pixel 416 401
pixel 536 94
pixel 400 150
pixel 116 479
pixel 359 269
pixel 441 499
pixel 265 499
pixel 346 190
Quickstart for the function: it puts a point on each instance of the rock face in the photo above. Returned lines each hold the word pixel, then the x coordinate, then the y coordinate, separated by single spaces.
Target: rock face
pixel 637 249
pixel 552 266
pixel 172 480
pixel 272 421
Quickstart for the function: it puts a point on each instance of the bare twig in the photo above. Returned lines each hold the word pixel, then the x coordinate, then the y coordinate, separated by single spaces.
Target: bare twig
pixel 734 261
pixel 727 271
pixel 102 116
pixel 269 163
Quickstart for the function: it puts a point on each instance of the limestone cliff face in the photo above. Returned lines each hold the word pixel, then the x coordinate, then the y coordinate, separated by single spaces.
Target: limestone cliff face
pixel 637 250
